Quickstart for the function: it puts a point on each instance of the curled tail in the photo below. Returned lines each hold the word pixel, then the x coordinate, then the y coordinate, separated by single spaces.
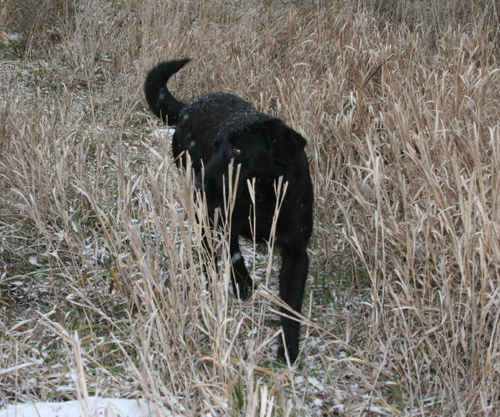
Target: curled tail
pixel 160 101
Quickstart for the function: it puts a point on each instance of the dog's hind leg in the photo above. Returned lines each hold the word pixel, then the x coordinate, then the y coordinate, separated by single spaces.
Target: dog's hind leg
pixel 240 278
pixel 293 276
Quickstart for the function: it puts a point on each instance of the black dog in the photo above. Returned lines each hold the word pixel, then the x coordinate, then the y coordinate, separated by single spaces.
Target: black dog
pixel 221 128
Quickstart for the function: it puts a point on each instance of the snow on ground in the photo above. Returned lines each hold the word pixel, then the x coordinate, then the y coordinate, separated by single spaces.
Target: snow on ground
pixel 163 133
pixel 92 407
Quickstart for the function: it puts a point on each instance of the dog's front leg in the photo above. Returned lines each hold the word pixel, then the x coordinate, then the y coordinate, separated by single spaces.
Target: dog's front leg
pixel 240 278
pixel 293 276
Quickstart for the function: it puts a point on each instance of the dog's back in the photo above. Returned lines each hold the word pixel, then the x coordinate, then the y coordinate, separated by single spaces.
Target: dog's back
pixel 216 115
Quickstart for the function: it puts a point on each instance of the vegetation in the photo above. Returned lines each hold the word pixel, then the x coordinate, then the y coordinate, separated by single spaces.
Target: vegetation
pixel 102 288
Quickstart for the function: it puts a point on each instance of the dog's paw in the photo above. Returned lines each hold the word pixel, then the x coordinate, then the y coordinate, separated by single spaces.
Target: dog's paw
pixel 292 355
pixel 244 292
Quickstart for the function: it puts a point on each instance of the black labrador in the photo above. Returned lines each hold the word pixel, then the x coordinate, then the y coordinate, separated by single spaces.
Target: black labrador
pixel 222 128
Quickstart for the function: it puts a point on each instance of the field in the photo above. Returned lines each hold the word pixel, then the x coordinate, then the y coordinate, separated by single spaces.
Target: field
pixel 102 285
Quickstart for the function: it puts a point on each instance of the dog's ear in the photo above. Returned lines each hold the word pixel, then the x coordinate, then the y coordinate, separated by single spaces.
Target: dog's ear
pixel 284 143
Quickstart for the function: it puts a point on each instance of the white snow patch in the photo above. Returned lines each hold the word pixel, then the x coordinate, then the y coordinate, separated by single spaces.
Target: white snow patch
pixel 96 406
pixel 318 402
pixel 33 260
pixel 236 257
pixel 163 133
pixel 13 37
pixel 315 383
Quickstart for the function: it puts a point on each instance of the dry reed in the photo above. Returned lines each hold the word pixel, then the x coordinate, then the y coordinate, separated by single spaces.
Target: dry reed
pixel 103 289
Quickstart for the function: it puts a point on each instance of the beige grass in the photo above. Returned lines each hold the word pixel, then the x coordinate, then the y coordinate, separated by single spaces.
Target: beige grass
pixel 101 278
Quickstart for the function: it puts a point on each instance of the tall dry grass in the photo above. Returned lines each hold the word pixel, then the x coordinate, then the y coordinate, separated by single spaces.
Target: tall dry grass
pixel 102 278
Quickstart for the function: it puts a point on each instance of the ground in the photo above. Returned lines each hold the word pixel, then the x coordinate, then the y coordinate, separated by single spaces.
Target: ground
pixel 102 288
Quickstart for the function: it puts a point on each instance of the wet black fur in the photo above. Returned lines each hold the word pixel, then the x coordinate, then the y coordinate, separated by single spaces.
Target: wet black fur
pixel 222 127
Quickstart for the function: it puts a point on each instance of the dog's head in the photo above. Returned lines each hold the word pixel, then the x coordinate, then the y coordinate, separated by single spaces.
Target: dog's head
pixel 263 150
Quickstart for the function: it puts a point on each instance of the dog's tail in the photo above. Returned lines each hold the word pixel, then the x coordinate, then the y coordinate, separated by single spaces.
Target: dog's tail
pixel 160 101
